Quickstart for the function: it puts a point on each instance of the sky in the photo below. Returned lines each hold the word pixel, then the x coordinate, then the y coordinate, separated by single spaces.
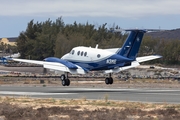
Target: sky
pixel 149 14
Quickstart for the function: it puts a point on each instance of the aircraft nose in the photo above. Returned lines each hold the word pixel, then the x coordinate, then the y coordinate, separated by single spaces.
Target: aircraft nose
pixel 64 56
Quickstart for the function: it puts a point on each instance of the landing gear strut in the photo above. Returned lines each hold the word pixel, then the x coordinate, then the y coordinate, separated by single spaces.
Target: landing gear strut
pixel 65 80
pixel 109 80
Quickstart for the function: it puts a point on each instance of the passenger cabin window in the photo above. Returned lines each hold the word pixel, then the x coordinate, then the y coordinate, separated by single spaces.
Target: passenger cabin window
pixel 82 53
pixel 78 52
pixel 85 53
pixel 98 55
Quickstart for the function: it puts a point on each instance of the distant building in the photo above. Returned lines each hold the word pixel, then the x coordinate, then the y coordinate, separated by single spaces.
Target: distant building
pixel 10 41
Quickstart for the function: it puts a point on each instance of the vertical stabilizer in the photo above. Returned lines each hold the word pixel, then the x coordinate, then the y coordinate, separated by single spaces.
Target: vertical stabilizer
pixel 132 44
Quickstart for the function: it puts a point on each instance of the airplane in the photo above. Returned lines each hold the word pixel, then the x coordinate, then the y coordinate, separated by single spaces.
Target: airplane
pixel 81 59
pixel 3 60
pixel 15 55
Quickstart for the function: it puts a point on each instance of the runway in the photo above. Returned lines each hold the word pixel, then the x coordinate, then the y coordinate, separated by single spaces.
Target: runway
pixel 76 92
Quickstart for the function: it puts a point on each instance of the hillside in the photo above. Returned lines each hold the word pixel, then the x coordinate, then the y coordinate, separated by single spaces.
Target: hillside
pixel 167 35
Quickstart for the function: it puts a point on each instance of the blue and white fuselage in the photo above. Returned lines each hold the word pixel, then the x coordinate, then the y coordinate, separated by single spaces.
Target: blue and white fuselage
pixel 95 59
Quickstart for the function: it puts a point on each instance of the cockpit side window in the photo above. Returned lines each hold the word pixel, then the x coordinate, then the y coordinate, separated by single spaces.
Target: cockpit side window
pixel 73 52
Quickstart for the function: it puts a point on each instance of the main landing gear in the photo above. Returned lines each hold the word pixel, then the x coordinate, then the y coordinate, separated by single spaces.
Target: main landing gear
pixel 109 80
pixel 65 80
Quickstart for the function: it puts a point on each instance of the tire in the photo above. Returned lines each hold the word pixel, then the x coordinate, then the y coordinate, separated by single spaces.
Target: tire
pixel 63 77
pixel 107 81
pixel 63 82
pixel 67 82
pixel 110 80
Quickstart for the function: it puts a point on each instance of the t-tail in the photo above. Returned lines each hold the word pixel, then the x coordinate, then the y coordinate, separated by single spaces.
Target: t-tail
pixel 132 44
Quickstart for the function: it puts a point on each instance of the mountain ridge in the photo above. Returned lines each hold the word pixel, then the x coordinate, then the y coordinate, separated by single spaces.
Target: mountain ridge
pixel 173 34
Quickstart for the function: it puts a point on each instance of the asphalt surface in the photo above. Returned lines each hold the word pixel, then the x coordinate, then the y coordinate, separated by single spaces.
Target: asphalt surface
pixel 120 94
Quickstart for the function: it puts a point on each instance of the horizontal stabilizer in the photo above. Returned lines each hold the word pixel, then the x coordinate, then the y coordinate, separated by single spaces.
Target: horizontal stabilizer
pixel 145 30
pixel 147 58
pixel 116 70
pixel 133 64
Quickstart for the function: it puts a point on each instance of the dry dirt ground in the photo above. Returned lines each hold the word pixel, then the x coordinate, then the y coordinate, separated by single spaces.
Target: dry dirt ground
pixel 25 108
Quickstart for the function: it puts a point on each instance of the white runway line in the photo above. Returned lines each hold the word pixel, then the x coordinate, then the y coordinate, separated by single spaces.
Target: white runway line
pixel 31 93
pixel 125 89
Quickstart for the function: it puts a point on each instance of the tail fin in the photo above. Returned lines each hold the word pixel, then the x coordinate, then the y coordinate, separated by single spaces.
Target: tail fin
pixel 132 44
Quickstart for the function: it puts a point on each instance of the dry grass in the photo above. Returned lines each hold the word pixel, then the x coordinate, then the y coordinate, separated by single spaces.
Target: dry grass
pixel 84 101
pixel 25 107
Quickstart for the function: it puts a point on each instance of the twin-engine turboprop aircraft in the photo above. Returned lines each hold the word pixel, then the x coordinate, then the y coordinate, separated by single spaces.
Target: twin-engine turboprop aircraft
pixel 81 60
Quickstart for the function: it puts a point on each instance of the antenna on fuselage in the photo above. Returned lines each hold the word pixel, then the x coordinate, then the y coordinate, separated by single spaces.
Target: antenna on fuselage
pixel 96 46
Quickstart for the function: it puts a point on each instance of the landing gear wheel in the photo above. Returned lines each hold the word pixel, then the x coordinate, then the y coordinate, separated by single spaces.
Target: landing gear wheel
pixel 107 81
pixel 67 82
pixel 63 77
pixel 64 82
pixel 110 80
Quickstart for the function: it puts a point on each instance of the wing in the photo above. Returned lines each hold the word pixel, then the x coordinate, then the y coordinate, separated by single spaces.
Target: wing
pixel 64 66
pixel 133 64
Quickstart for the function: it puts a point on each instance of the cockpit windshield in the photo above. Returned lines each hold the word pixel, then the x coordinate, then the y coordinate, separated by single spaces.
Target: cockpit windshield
pixel 72 52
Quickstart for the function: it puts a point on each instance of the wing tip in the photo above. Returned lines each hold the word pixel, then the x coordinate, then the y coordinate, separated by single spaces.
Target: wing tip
pixel 158 56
